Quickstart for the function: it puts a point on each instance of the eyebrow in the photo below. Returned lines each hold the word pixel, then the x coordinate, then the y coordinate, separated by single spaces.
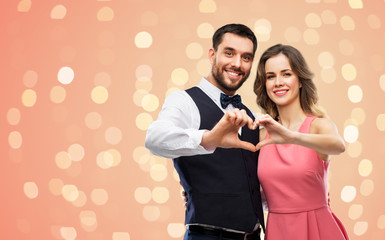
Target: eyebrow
pixel 232 49
pixel 284 70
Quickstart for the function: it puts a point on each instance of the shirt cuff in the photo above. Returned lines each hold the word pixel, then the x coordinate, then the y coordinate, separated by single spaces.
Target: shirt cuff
pixel 196 137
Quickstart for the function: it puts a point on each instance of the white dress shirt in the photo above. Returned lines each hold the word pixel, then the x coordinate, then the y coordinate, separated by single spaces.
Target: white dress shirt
pixel 176 131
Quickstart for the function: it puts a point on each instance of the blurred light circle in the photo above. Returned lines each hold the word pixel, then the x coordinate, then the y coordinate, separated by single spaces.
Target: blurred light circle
pixel 113 135
pixel 99 196
pixel 380 122
pixel 348 193
pixel 175 230
pixel 76 152
pixel 68 233
pixel 360 228
pixel 13 116
pixel 65 75
pixel 160 194
pixel 93 120
pixel 194 50
pixel 99 94
pixel 120 236
pixel 349 72
pixel 351 133
pixel 367 187
pixel 29 98
pixel 205 30
pixel 365 167
pixel 15 139
pixel 326 59
pixel 30 79
pixel 356 4
pixel 143 40
pixel 70 192
pixel 179 76
pixel 105 14
pixel 355 94
pixel 151 213
pixel 142 195
pixel 58 12
pixel 347 23
pixel 57 94
pixel 31 190
pixel 158 172
pixel 355 211
pixel 207 6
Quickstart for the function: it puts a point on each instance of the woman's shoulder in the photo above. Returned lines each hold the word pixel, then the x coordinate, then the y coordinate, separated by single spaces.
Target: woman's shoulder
pixel 320 124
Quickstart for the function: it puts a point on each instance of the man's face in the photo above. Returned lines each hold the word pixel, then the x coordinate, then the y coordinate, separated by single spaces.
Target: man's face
pixel 231 63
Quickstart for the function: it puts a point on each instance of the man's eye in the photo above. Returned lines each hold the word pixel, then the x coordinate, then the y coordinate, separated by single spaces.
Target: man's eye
pixel 228 53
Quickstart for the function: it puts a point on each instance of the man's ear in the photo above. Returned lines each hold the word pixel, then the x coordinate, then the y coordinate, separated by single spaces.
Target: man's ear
pixel 211 55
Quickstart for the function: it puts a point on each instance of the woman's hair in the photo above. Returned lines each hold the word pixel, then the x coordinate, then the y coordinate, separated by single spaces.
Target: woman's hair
pixel 308 92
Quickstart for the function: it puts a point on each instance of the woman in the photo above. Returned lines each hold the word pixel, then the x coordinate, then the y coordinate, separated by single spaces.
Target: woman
pixel 295 147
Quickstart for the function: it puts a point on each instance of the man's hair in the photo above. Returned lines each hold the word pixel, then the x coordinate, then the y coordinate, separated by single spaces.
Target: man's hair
pixel 237 29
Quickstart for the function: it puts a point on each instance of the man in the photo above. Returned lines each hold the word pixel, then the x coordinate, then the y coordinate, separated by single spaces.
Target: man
pixel 194 129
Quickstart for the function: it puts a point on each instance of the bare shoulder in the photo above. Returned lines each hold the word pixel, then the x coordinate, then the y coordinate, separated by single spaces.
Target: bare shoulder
pixel 322 125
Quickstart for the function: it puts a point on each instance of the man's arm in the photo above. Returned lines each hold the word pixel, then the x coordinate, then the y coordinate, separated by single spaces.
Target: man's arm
pixel 176 131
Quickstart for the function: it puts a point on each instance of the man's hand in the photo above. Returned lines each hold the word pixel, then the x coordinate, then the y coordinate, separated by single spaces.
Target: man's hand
pixel 225 132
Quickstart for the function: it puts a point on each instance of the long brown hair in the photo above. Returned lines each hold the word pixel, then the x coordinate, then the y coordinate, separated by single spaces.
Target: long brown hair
pixel 308 91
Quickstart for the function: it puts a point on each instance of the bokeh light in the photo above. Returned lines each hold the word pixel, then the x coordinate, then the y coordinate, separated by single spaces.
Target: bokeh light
pixel 65 75
pixel 143 40
pixel 13 116
pixel 29 98
pixel 348 193
pixel 58 12
pixel 31 190
pixel 83 82
pixel 105 14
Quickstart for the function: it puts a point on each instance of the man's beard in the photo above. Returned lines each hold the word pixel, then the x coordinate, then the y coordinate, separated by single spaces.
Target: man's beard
pixel 219 78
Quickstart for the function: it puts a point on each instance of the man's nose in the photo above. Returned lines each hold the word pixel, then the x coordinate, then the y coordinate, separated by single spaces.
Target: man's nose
pixel 236 61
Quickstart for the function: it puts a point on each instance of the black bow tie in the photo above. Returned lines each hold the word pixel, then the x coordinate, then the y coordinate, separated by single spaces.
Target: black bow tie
pixel 234 100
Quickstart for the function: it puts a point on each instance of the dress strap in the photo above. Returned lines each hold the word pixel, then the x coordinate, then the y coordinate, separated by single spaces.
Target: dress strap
pixel 305 127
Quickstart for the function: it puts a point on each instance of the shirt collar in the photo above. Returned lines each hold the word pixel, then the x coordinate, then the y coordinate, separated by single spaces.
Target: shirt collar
pixel 212 91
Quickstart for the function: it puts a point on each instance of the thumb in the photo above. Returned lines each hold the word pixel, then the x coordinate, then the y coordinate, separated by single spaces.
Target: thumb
pixel 263 143
pixel 247 146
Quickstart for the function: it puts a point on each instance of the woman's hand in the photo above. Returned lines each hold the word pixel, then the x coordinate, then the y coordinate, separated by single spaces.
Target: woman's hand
pixel 278 134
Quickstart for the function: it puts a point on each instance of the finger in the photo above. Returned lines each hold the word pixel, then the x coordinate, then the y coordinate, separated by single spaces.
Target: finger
pixel 263 143
pixel 246 146
pixel 239 121
pixel 256 123
pixel 247 120
pixel 230 116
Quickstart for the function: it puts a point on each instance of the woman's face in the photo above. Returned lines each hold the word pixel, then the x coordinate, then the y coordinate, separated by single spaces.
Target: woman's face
pixel 282 84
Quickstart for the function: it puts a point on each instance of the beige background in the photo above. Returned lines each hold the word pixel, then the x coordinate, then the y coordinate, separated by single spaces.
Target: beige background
pixel 82 80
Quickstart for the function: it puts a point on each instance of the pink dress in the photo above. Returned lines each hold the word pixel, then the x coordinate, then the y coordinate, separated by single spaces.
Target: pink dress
pixel 294 180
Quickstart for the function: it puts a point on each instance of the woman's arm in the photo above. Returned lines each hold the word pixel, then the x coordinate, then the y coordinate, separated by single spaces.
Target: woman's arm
pixel 323 136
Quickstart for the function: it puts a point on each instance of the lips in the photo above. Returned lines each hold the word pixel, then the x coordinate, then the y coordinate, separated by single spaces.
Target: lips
pixel 280 92
pixel 234 74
